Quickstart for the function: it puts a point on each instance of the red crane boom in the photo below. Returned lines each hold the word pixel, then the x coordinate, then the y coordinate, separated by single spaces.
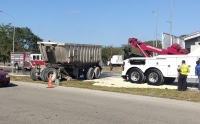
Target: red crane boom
pixel 146 50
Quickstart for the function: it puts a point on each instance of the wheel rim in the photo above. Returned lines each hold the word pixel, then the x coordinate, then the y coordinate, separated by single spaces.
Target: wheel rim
pixel 135 76
pixel 53 74
pixel 153 77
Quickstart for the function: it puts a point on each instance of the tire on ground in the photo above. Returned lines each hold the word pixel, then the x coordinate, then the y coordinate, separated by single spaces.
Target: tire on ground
pixel 97 72
pixel 144 80
pixel 89 75
pixel 42 74
pixel 169 80
pixel 135 75
pixel 154 77
pixel 52 71
pixel 34 76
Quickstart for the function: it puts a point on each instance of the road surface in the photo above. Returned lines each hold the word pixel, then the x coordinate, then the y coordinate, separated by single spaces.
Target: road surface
pixel 29 103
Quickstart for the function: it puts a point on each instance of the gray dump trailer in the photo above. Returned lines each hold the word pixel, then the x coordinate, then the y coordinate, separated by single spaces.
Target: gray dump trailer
pixel 68 60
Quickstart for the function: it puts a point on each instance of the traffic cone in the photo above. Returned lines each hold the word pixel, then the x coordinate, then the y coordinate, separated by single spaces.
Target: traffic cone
pixel 50 81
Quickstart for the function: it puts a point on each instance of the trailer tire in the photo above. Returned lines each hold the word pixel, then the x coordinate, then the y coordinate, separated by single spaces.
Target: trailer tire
pixel 45 75
pixel 54 74
pixel 89 74
pixel 154 77
pixel 42 74
pixel 33 75
pixel 169 80
pixel 97 72
pixel 135 75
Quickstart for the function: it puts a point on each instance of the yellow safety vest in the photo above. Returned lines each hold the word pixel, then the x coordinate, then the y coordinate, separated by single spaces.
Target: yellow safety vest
pixel 184 69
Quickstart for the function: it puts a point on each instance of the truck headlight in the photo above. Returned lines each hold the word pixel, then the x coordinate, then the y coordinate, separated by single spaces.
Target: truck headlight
pixel 7 76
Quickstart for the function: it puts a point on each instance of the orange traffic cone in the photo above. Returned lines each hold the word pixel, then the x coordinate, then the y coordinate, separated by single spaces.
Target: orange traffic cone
pixel 50 81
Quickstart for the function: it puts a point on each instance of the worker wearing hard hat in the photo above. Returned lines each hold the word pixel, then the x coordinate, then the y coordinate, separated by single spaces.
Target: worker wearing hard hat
pixel 183 69
pixel 197 69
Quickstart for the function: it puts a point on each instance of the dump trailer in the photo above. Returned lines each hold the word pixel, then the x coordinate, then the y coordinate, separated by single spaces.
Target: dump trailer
pixel 68 60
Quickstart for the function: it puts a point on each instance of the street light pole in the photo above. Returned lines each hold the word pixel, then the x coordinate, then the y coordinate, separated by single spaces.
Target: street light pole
pixel 156 22
pixel 171 40
pixel 170 32
pixel 156 26
pixel 155 14
pixel 13 30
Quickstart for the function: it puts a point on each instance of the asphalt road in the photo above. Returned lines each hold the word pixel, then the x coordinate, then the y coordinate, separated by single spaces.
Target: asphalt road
pixel 29 103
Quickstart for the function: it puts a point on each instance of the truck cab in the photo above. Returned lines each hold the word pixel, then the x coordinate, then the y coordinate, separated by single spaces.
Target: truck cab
pixel 35 59
pixel 25 60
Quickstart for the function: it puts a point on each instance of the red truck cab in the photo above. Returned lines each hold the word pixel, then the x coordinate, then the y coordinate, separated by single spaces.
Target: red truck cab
pixel 26 60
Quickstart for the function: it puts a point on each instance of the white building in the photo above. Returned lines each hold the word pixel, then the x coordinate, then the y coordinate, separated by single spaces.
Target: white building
pixel 192 41
pixel 189 42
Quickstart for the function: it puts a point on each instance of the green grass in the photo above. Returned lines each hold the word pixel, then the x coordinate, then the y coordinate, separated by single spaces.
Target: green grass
pixel 162 93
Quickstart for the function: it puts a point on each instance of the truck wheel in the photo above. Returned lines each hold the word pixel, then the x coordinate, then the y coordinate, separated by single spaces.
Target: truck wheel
pixel 90 74
pixel 154 77
pixel 169 80
pixel 34 75
pixel 144 80
pixel 135 75
pixel 42 74
pixel 52 71
pixel 97 72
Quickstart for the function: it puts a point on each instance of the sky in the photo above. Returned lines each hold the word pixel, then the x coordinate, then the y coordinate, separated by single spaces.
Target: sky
pixel 101 22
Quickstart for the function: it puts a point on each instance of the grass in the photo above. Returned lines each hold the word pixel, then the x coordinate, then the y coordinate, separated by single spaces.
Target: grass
pixel 162 93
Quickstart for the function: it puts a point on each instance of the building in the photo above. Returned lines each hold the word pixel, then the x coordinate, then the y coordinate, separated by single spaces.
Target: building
pixel 192 41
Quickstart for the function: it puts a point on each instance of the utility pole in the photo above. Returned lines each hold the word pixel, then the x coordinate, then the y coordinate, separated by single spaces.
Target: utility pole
pixel 171 39
pixel 156 27
pixel 155 14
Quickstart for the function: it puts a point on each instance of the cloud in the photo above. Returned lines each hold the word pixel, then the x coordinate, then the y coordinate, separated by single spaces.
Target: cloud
pixel 75 12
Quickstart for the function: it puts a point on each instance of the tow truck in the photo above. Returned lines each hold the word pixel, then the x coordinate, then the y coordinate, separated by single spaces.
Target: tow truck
pixel 156 70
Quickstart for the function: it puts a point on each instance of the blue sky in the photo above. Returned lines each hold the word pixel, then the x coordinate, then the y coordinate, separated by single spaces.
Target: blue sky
pixel 103 22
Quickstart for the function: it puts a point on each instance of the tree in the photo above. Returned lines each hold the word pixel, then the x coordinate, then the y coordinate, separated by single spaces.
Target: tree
pixel 25 40
pixel 109 51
